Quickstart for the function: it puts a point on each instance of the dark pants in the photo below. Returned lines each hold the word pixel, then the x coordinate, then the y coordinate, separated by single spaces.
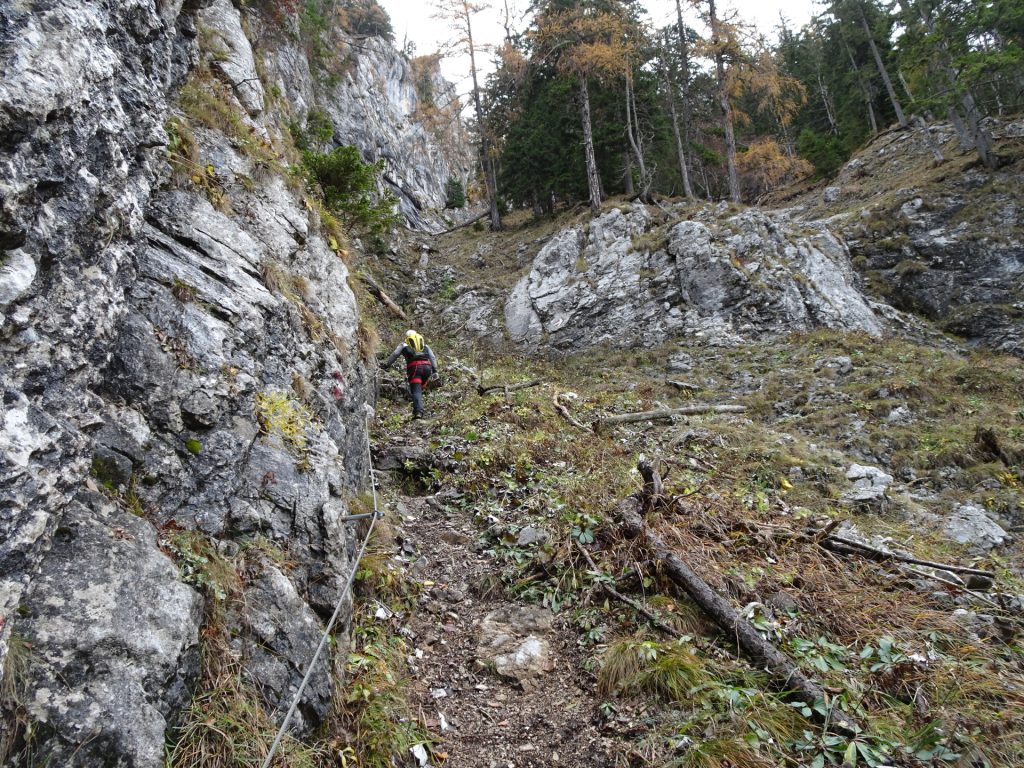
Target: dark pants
pixel 419 374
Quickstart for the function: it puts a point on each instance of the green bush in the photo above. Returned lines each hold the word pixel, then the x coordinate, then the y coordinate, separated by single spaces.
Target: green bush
pixel 349 188
pixel 318 132
pixel 826 152
pixel 455 194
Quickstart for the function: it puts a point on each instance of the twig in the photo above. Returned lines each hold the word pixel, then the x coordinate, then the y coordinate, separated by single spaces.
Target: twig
pixel 881 554
pixel 563 411
pixel 613 592
pixel 961 587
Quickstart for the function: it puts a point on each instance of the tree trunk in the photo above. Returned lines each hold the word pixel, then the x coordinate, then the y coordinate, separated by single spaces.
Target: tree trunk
pixel 722 96
pixel 627 173
pixel 882 70
pixel 929 139
pixel 826 99
pixel 863 89
pixel 486 161
pixel 593 179
pixel 972 134
pixel 630 115
pixel 682 137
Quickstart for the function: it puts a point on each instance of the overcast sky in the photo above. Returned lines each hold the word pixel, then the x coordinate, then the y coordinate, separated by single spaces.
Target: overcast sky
pixel 412 20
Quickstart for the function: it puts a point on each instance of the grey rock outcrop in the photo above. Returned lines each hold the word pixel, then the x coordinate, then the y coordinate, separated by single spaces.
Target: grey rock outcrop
pixel 970 526
pixel 952 251
pixel 109 624
pixel 746 276
pixel 870 485
pixel 177 358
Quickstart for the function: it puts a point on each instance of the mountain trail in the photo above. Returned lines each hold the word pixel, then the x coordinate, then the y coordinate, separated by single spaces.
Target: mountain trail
pixel 497 680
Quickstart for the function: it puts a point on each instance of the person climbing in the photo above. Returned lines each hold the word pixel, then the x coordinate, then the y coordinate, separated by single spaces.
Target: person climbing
pixel 420 367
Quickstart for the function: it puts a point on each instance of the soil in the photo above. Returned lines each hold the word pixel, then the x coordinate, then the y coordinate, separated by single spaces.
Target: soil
pixel 483 720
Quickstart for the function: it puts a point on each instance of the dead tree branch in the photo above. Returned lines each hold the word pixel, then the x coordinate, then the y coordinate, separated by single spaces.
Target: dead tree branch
pixel 482 390
pixel 383 298
pixel 839 544
pixel 563 411
pixel 474 220
pixel 785 673
pixel 665 414
pixel 613 592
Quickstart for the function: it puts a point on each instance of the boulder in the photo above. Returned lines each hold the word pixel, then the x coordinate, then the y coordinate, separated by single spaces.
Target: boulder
pixel 970 525
pixel 869 487
pixel 514 641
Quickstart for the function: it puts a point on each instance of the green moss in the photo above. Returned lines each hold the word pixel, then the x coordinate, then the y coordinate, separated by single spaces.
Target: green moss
pixel 283 417
pixel 193 446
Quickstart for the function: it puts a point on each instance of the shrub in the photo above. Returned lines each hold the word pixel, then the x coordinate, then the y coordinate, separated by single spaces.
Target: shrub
pixel 455 194
pixel 349 188
pixel 827 153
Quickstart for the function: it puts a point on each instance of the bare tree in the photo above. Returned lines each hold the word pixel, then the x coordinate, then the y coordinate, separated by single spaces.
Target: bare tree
pixel 459 13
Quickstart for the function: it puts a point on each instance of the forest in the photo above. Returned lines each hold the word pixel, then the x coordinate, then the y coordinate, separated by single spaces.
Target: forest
pixel 590 101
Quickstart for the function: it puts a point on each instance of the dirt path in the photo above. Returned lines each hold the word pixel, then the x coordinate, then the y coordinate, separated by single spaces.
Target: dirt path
pixel 486 720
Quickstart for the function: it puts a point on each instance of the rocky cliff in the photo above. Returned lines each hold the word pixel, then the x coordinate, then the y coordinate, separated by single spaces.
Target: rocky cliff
pixel 184 390
pixel 896 237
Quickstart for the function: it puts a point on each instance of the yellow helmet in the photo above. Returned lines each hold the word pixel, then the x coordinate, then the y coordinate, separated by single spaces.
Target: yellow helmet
pixel 414 340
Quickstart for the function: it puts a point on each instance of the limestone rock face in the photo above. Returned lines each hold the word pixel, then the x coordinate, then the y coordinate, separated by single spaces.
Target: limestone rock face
pixel 953 250
pixel 146 321
pixel 375 106
pixel 111 624
pixel 621 283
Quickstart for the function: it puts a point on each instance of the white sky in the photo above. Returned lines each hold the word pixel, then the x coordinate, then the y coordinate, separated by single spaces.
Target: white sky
pixel 412 20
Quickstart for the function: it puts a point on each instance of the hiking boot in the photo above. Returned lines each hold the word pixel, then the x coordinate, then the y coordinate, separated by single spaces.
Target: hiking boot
pixel 417 415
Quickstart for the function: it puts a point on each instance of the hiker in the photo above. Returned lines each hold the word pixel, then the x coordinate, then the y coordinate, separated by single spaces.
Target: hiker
pixel 420 367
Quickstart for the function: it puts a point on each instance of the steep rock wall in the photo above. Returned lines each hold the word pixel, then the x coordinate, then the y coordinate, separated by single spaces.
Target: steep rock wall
pixel 179 356
pixel 391 108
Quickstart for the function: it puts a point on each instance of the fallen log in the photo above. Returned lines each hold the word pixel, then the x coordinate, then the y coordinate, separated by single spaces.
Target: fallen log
pixel 685 385
pixel 383 298
pixel 833 542
pixel 663 414
pixel 784 672
pixel 506 388
pixel 474 220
